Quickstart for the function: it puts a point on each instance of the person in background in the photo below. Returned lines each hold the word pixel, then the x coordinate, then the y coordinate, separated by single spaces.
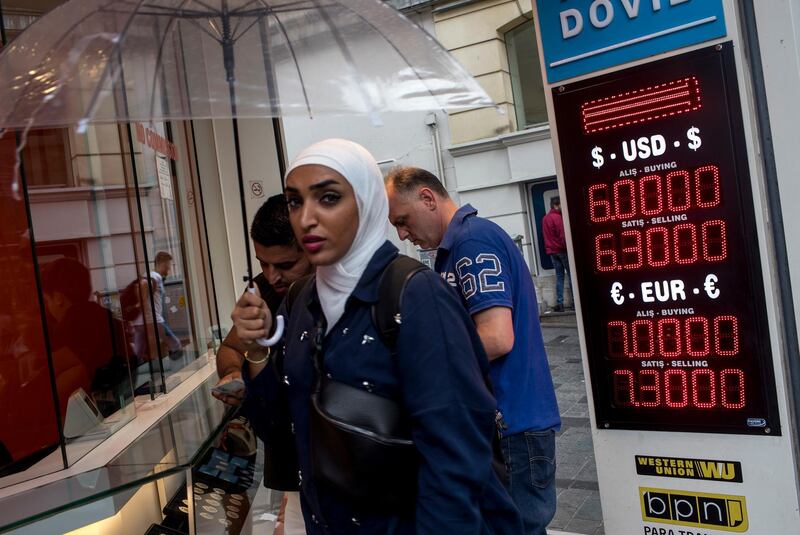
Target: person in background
pixel 162 266
pixel 282 262
pixel 435 377
pixel 556 246
pixel 480 260
pixel 90 347
pixel 77 326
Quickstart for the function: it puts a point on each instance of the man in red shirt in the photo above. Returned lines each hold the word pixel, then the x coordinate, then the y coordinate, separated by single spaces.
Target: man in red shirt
pixel 556 246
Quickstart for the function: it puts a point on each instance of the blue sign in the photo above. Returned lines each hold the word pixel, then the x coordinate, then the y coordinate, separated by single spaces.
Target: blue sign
pixel 582 36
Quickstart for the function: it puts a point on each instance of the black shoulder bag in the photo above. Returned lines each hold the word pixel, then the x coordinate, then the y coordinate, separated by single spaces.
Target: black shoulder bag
pixel 361 445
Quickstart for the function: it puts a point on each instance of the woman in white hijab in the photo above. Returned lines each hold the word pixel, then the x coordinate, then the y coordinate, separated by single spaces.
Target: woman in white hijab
pixel 434 370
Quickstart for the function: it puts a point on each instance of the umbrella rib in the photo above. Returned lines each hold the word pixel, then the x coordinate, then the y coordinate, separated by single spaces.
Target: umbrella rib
pixel 159 58
pixel 394 47
pixel 171 10
pixel 185 16
pixel 240 9
pixel 244 32
pixel 285 8
pixel 204 30
pixel 216 12
pixel 348 58
pixel 292 52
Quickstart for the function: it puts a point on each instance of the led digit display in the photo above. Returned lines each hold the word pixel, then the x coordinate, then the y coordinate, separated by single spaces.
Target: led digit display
pixel 667 262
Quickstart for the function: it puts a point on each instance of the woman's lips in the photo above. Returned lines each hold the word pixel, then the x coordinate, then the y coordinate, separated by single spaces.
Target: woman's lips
pixel 313 244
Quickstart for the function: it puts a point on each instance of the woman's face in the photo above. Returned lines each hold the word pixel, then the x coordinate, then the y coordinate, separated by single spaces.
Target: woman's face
pixel 323 212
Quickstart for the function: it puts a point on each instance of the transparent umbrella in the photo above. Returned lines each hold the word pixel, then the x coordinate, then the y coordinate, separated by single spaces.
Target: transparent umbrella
pixel 101 61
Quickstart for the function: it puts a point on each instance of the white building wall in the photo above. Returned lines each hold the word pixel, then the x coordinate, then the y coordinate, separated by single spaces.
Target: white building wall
pixel 492 174
pixel 779 40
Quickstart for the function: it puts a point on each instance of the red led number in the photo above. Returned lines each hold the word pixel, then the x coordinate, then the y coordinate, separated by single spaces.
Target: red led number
pixel 673 337
pixel 624 199
pixel 650 195
pixel 684 244
pixel 704 389
pixel 670 342
pixel 701 388
pixel 678 199
pixel 676 389
pixel 627 199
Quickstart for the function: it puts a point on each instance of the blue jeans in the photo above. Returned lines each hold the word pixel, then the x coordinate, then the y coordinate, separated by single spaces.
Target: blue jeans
pixel 530 459
pixel 560 264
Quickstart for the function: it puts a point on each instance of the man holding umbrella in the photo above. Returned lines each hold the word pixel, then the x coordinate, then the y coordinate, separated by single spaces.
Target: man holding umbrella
pixel 282 262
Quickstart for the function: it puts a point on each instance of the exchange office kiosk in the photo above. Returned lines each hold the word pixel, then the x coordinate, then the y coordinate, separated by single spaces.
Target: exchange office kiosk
pixel 656 138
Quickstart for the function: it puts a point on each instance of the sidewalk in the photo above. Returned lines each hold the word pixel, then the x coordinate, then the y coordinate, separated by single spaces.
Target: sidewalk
pixel 576 475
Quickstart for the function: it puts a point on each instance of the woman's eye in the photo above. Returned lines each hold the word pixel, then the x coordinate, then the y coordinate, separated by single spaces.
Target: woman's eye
pixel 292 202
pixel 330 198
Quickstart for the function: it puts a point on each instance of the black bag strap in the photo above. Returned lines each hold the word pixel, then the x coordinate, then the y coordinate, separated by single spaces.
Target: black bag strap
pixel 294 291
pixel 386 315
pixel 386 312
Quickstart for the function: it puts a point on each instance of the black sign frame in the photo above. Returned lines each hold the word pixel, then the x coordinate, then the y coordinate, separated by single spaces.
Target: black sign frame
pixel 720 119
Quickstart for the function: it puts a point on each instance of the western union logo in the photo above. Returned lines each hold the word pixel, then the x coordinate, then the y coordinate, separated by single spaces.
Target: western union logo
pixel 695 509
pixel 689 468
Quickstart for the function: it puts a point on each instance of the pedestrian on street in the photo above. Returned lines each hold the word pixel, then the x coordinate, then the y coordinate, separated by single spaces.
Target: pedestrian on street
pixel 434 374
pixel 480 260
pixel 556 246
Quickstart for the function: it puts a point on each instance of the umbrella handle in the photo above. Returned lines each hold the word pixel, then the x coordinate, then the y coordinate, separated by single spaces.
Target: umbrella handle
pixel 279 324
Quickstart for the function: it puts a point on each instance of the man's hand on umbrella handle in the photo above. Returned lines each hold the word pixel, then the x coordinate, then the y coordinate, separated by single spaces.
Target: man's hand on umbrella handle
pixel 252 317
pixel 267 342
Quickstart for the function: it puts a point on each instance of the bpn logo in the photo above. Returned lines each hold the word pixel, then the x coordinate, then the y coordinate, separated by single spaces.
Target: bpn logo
pixel 696 509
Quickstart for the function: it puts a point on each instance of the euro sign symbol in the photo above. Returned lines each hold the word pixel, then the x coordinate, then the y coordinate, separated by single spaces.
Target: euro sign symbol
pixel 616 293
pixel 694 139
pixel 597 154
pixel 710 286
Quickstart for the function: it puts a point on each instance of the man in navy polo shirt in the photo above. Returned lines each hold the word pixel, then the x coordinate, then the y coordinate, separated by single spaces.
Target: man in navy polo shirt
pixel 479 259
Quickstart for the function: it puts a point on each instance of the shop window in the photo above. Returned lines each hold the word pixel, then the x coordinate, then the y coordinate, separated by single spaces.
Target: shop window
pixel 45 158
pixel 526 77
pixel 102 297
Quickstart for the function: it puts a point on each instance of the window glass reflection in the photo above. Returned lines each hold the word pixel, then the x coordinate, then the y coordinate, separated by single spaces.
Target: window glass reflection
pixel 103 279
pixel 526 79
pixel 157 162
pixel 28 421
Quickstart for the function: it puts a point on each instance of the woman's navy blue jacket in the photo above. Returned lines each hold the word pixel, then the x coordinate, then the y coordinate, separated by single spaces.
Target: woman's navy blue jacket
pixel 438 377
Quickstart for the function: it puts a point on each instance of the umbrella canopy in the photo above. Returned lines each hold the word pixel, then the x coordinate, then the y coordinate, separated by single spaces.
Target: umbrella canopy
pixel 107 61
pixel 148 60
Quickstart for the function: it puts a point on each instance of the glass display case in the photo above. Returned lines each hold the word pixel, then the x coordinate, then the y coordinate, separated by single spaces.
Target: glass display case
pixel 110 309
pixel 104 278
pixel 196 470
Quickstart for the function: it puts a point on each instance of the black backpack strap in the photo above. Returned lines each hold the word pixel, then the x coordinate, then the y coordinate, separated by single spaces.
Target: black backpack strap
pixel 387 319
pixel 294 291
pixel 386 312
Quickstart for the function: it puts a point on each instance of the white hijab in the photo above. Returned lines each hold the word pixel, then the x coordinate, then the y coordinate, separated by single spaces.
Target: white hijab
pixel 336 282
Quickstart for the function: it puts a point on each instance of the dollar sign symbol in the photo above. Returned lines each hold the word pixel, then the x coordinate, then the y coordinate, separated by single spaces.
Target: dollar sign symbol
pixel 597 154
pixel 694 139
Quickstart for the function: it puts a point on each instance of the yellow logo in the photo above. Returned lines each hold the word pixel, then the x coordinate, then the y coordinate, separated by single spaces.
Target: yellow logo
pixel 684 468
pixel 696 509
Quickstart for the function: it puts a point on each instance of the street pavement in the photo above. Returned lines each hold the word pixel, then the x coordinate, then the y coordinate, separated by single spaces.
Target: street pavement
pixel 576 474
